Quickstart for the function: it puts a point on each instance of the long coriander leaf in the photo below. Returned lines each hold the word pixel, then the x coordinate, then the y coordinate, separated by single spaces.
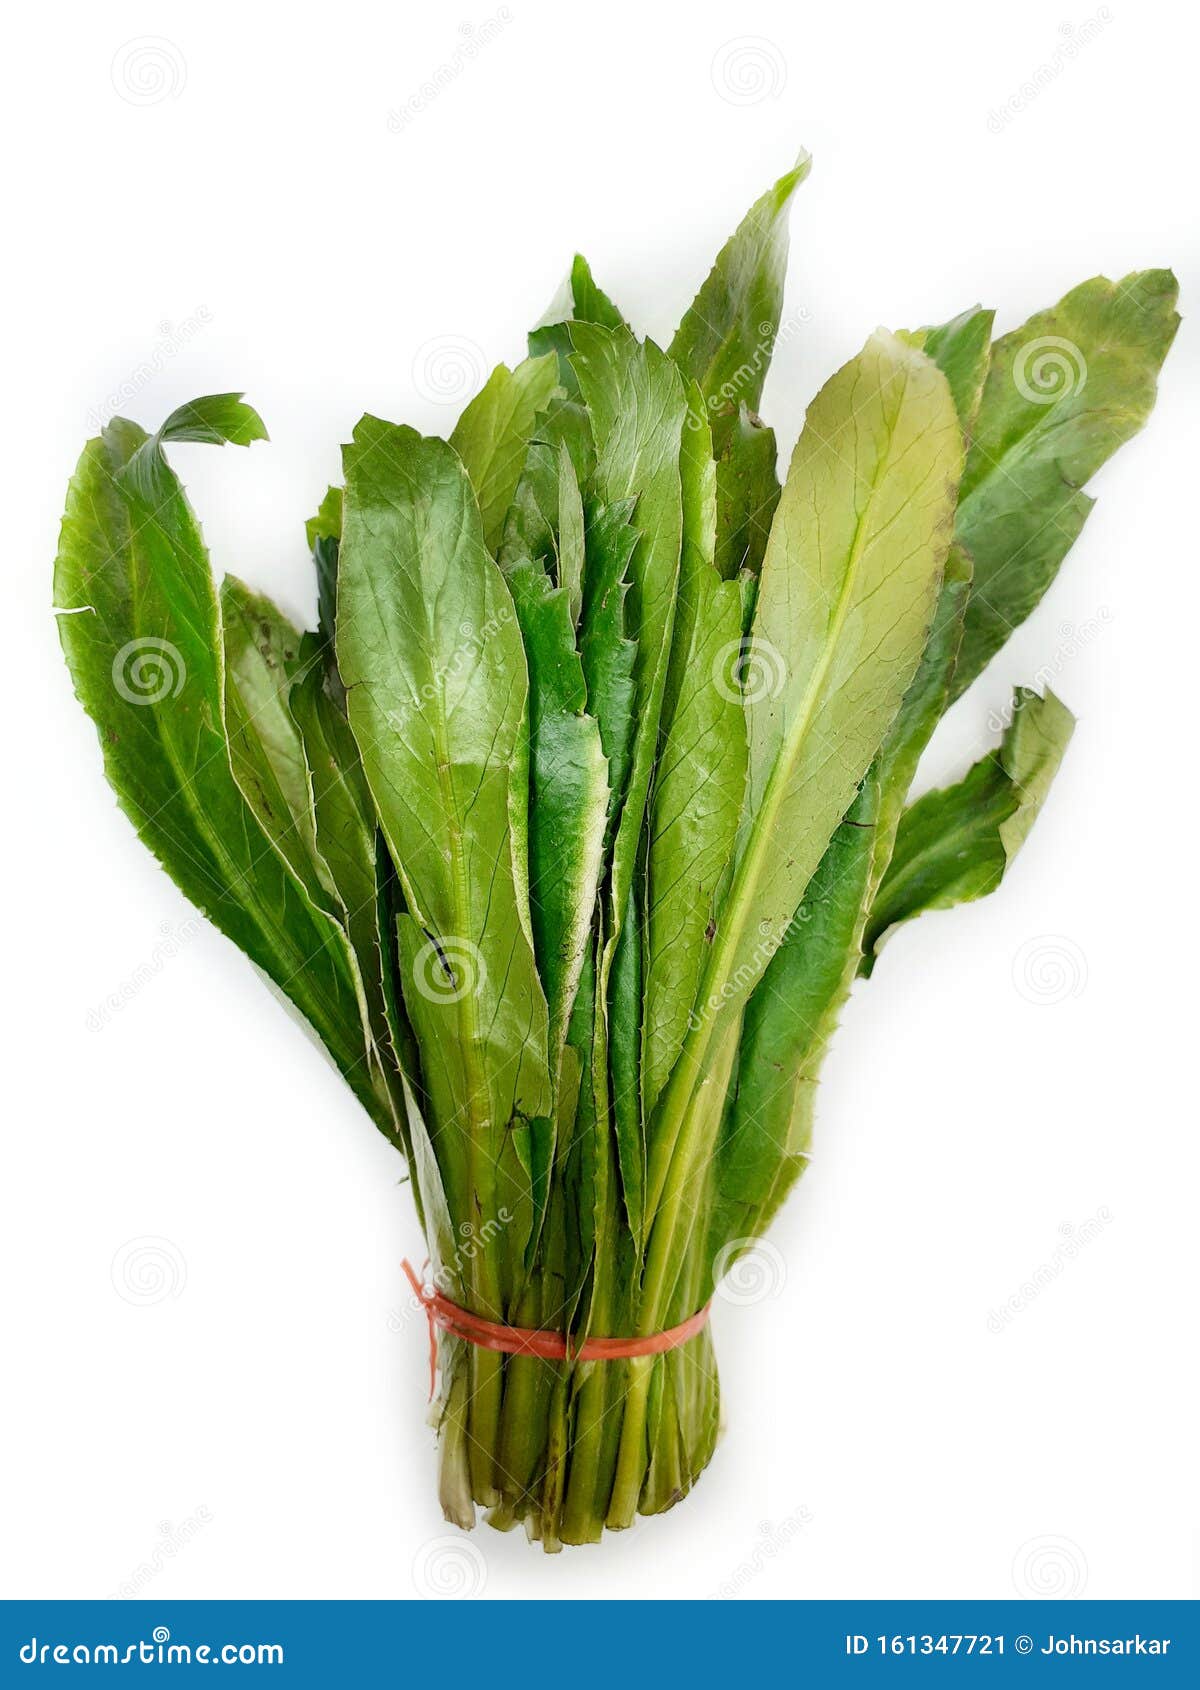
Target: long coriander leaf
pixel 726 338
pixel 578 300
pixel 262 659
pixel 431 656
pixel 607 652
pixel 636 401
pixel 346 840
pixel 569 793
pixel 144 646
pixel 701 774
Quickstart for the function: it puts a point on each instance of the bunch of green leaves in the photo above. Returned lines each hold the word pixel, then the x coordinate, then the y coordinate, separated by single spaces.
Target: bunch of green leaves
pixel 570 826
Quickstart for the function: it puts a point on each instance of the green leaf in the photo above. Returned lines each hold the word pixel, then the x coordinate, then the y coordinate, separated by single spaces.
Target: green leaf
pixel 216 419
pixel 955 845
pixel 435 674
pixel 701 774
pixel 623 1036
pixel 262 660
pixel 592 304
pixel 747 494
pixel 324 532
pixel 346 843
pixel 578 300
pixel 607 652
pixel 637 405
pixel 545 520
pixel 787 1025
pixel 571 535
pixel 401 1039
pixel 493 433
pixel 327 524
pixel 1063 392
pixel 961 349
pixel 144 648
pixel 726 338
pixel 568 796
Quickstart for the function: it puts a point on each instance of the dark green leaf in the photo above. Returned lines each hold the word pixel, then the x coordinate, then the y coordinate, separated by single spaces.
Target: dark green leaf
pixel 216 419
pixel 961 349
pixel 569 793
pixel 607 652
pixel 144 648
pixel 747 494
pixel 346 841
pixel 579 300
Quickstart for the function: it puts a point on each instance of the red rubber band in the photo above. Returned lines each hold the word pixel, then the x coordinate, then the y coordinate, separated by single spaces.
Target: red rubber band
pixel 441 1313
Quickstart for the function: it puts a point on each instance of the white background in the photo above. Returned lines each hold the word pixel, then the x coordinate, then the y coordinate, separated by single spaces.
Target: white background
pixel 1015 1069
